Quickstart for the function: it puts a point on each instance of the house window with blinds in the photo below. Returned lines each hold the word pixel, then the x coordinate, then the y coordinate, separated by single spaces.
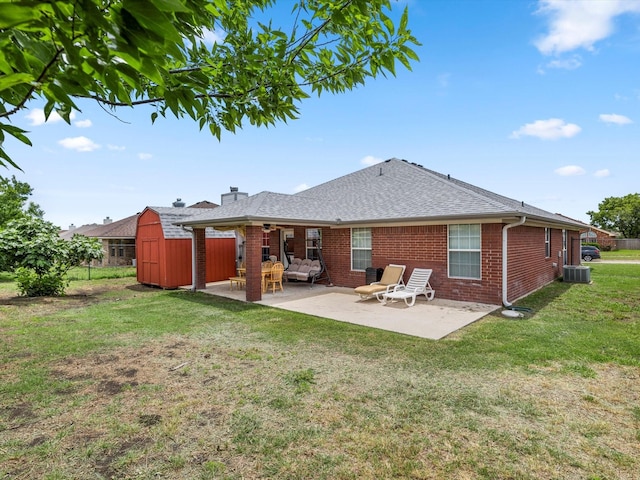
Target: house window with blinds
pixel 464 251
pixel 360 248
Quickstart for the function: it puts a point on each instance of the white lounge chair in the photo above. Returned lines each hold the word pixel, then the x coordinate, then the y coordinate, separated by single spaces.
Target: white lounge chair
pixel 391 277
pixel 418 284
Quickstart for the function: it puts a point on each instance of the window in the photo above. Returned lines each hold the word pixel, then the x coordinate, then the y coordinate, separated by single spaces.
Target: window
pixel 265 245
pixel 464 251
pixel 564 247
pixel 314 237
pixel 547 242
pixel 360 248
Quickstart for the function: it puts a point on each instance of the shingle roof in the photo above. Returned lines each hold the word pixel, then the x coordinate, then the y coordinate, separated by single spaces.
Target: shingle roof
pixel 169 216
pixel 81 230
pixel 392 191
pixel 124 228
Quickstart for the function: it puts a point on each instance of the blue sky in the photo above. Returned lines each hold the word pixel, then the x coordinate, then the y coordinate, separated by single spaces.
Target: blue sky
pixel 535 100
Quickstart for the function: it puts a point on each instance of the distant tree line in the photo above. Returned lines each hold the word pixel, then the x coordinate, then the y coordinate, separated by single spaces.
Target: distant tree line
pixel 619 214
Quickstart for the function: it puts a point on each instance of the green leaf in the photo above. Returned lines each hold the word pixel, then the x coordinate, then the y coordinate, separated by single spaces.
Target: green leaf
pixel 9 81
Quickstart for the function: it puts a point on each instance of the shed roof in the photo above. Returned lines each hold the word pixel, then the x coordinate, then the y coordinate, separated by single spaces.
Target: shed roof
pixel 171 217
pixel 394 191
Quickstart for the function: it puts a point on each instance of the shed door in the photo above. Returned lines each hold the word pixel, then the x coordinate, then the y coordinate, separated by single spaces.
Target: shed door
pixel 150 261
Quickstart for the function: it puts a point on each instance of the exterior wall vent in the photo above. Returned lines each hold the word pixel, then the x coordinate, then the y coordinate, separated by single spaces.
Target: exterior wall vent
pixel 576 274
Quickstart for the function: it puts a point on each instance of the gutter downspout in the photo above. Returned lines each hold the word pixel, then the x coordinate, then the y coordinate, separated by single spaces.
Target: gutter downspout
pixel 505 257
pixel 193 256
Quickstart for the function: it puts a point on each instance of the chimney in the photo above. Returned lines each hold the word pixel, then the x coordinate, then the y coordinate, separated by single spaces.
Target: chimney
pixel 178 203
pixel 107 221
pixel 232 196
pixel 72 227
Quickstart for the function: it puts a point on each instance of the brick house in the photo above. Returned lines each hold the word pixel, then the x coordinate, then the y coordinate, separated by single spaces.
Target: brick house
pixel 118 240
pixel 482 246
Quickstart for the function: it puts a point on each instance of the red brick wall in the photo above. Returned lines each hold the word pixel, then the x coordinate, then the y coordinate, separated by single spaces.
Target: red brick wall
pixel 426 247
pixel 299 242
pixel 201 258
pixel 253 262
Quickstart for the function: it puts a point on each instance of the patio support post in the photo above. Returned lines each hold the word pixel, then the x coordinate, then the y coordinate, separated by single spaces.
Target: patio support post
pixel 253 262
pixel 201 258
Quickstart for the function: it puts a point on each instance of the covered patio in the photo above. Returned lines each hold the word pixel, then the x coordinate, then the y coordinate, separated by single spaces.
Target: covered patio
pixel 433 320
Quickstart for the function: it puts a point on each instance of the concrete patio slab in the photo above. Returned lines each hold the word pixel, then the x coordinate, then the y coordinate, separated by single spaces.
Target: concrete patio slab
pixel 434 320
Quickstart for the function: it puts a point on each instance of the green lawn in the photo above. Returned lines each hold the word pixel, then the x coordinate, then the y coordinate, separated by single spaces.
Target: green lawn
pixel 621 255
pixel 117 380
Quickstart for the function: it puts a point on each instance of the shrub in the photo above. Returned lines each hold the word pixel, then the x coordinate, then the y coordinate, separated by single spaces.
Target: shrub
pixel 31 284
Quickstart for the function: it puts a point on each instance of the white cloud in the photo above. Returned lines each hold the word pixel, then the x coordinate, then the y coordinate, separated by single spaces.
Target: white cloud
pixel 301 187
pixel 570 171
pixel 79 144
pixel 210 37
pixel 580 23
pixel 572 63
pixel 602 173
pixel 615 118
pixel 83 123
pixel 145 156
pixel 36 116
pixel 370 160
pixel 117 148
pixel 552 129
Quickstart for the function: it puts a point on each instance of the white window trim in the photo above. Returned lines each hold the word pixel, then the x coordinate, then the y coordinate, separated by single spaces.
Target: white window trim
pixel 547 242
pixel 307 248
pixel 352 248
pixel 479 250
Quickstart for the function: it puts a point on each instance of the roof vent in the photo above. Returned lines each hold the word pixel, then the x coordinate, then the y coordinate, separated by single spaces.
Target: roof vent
pixel 380 172
pixel 178 203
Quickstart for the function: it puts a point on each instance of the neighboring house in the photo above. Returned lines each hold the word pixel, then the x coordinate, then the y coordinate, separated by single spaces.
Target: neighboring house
pixel 118 240
pixel 165 250
pixel 481 246
pixel 591 234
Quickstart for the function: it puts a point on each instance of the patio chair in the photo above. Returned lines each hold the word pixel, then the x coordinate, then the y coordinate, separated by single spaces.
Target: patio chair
pixel 275 278
pixel 391 277
pixel 418 284
pixel 294 266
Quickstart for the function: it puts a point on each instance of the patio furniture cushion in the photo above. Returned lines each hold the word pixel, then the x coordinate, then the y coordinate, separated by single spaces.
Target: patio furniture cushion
pixel 391 277
pixel 307 270
pixel 294 266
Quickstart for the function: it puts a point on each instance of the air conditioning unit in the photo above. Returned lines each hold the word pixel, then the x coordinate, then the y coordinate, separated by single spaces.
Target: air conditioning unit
pixel 576 274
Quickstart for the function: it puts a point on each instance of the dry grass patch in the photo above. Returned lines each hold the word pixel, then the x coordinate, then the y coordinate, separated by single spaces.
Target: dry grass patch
pixel 231 406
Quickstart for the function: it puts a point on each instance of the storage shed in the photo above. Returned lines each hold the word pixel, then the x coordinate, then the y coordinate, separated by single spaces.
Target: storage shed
pixel 165 250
